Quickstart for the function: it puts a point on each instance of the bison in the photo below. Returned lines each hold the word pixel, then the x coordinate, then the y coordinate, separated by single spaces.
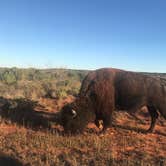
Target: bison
pixel 108 89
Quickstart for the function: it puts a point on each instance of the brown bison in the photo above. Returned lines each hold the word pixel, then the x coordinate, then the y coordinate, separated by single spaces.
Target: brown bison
pixel 106 90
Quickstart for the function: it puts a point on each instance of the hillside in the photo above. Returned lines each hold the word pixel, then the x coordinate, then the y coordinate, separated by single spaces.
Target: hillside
pixel 27 137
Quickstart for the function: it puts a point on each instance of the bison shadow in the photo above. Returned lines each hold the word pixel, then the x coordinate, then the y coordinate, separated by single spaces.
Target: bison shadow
pixel 22 112
pixel 9 161
pixel 138 130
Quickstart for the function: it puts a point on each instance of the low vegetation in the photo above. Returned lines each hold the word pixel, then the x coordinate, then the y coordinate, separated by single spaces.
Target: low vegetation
pixel 35 83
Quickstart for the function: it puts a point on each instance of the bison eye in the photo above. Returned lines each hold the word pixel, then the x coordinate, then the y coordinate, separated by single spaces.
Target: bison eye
pixel 74 114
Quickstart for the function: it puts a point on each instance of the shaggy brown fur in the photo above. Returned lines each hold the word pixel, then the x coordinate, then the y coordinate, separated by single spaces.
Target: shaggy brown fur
pixel 106 90
pixel 84 111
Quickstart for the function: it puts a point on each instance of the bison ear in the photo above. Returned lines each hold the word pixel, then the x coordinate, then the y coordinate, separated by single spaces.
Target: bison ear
pixel 74 113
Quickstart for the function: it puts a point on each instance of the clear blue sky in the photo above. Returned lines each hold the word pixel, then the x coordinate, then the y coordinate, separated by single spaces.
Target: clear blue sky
pixel 83 34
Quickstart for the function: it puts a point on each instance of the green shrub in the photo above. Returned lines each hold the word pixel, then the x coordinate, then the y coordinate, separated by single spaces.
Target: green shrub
pixel 9 77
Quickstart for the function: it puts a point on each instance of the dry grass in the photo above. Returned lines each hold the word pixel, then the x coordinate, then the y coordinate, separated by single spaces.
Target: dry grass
pixel 116 147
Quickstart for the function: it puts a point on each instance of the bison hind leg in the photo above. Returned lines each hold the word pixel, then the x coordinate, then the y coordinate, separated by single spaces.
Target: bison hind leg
pixel 154 115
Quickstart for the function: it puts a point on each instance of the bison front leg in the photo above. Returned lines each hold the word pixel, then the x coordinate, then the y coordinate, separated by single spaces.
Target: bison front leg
pixel 99 123
pixel 107 118
pixel 108 108
pixel 154 115
pixel 107 122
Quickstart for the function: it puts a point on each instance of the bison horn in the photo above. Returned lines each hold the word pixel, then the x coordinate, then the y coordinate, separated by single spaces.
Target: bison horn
pixel 74 113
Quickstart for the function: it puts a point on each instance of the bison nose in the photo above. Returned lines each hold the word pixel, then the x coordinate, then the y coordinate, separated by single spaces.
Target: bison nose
pixel 74 114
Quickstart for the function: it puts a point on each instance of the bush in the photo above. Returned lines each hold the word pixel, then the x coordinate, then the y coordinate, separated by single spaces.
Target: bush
pixel 61 93
pixel 9 77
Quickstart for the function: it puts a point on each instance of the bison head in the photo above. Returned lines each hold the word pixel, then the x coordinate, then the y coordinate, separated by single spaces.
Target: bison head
pixel 75 116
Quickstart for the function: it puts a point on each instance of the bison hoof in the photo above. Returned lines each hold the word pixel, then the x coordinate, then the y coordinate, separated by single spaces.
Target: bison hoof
pixel 149 131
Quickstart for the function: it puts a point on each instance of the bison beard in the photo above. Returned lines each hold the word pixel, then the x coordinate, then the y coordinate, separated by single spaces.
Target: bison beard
pixel 106 90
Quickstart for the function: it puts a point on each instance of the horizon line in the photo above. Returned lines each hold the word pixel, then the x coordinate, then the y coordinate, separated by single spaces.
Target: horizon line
pixel 68 68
